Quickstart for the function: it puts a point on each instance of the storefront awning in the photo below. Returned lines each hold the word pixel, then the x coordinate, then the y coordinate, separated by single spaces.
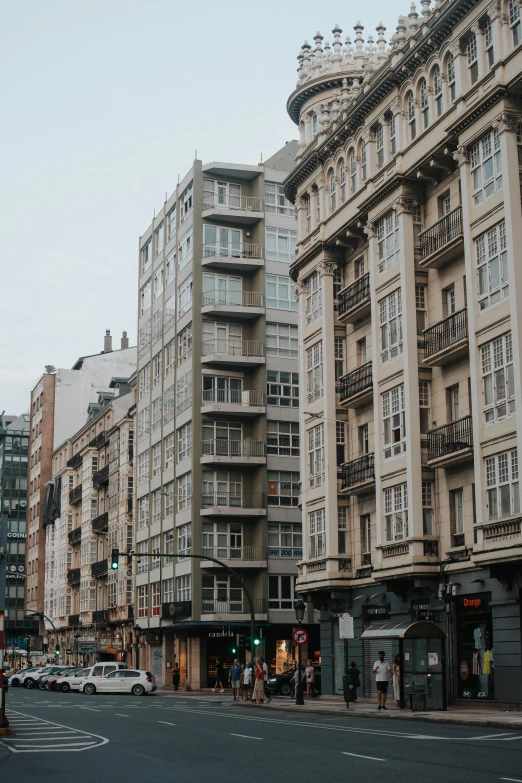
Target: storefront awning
pixel 420 630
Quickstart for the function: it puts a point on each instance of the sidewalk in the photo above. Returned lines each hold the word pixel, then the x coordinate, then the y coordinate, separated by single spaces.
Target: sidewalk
pixel 485 715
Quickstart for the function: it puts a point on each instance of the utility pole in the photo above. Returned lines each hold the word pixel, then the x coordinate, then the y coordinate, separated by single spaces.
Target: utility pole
pixel 3 562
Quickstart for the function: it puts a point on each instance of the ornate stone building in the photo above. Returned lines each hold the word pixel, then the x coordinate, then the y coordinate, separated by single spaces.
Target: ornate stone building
pixel 407 189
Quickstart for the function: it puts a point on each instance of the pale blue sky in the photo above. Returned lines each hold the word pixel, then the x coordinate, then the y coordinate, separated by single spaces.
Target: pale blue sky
pixel 103 104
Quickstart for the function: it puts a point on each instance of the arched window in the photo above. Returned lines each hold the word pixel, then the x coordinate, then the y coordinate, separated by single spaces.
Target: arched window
pixel 315 125
pixel 333 199
pixel 424 102
pixel 364 165
pixel 353 171
pixel 472 52
pixel 411 116
pixel 342 180
pixel 379 143
pixel 451 77
pixel 514 22
pixel 437 91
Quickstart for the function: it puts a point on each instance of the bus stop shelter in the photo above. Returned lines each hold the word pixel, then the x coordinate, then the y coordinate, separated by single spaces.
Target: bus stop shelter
pixel 422 653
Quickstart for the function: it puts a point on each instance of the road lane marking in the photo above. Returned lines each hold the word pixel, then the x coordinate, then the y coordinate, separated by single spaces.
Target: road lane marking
pixel 120 715
pixel 166 723
pixel 246 736
pixel 514 780
pixel 91 709
pixel 358 755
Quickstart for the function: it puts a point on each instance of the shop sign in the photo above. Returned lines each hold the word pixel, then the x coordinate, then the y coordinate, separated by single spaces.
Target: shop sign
pixel 15 576
pixel 473 602
pixel 376 611
pixel 346 630
pixel 16 535
pixel 154 639
pixel 68 652
pixel 420 610
pixel 223 634
pixel 112 650
pixel 464 670
pixel 284 552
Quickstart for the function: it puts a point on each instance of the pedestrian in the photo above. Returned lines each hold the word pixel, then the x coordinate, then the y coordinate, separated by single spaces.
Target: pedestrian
pixel 175 676
pixel 219 678
pixel 355 677
pixel 265 681
pixel 309 677
pixel 259 687
pixel 396 679
pixel 381 669
pixel 234 678
pixel 246 681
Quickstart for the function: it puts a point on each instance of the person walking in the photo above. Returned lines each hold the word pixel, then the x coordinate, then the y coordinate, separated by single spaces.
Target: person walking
pixel 246 681
pixel 381 669
pixel 259 688
pixel 309 678
pixel 219 678
pixel 396 679
pixel 355 677
pixel 265 681
pixel 175 676
pixel 234 678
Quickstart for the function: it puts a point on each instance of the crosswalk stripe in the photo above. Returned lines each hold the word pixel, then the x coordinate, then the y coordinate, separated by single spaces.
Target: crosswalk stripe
pixel 35 735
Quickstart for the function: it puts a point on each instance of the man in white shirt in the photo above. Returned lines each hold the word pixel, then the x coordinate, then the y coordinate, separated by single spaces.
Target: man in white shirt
pixel 265 678
pixel 381 669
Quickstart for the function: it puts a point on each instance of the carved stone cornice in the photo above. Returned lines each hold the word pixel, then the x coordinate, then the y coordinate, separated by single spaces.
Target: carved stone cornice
pixel 369 230
pixel 327 268
pixel 461 155
pixel 299 289
pixel 476 29
pixel 456 48
pixel 404 204
pixel 507 122
pixel 493 10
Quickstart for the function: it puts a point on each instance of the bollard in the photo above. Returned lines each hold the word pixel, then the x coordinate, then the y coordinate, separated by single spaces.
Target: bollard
pixel 4 723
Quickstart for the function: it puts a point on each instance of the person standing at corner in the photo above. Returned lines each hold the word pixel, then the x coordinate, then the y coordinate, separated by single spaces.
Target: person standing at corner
pixel 396 679
pixel 355 677
pixel 381 669
pixel 265 681
pixel 246 681
pixel 259 691
pixel 234 678
pixel 175 676
pixel 219 678
pixel 309 678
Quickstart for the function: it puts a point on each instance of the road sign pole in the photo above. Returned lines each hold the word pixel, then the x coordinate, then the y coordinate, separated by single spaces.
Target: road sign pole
pixel 299 700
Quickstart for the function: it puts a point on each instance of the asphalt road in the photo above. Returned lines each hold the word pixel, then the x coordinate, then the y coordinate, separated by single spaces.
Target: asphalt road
pixel 89 739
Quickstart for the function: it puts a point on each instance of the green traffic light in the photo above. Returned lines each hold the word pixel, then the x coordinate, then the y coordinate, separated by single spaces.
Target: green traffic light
pixel 234 650
pixel 115 554
pixel 257 642
pixel 57 651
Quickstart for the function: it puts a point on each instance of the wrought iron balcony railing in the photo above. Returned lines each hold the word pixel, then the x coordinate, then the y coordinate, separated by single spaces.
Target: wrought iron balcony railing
pixel 101 477
pixel 441 233
pixel 75 535
pixel 356 381
pixel 245 500
pixel 100 568
pixel 75 460
pixel 73 576
pixel 446 333
pixel 75 495
pixel 356 293
pixel 101 616
pixel 74 619
pixel 359 471
pixel 101 523
pixel 99 440
pixel 450 438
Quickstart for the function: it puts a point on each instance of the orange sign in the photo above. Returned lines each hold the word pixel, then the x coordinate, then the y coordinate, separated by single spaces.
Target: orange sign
pixel 464 670
pixel 112 650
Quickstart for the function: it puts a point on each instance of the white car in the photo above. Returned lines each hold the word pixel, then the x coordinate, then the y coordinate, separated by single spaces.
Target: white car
pixel 137 682
pixel 31 678
pixel 98 670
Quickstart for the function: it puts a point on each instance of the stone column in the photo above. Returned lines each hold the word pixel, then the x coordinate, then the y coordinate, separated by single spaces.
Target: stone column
pixel 493 11
pixel 477 30
pixel 458 55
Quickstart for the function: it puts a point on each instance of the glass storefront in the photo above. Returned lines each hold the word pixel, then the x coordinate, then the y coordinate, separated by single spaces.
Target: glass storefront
pixel 475 651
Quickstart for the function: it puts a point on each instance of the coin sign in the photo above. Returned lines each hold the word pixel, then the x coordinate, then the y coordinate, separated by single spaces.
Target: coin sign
pixel 299 636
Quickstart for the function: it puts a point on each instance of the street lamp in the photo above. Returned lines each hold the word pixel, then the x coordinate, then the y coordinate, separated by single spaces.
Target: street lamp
pixel 300 609
pixel 137 631
pixel 77 636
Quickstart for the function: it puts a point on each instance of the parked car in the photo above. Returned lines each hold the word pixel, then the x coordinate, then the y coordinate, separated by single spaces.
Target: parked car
pixel 30 679
pixel 138 682
pixel 42 683
pixel 282 683
pixel 14 679
pixel 72 682
pixel 67 682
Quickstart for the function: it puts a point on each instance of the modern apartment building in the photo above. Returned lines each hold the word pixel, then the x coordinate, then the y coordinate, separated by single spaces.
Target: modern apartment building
pixel 87 513
pixel 409 218
pixel 217 420
pixel 59 404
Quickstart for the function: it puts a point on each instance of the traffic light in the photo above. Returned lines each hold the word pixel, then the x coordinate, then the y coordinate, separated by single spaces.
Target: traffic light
pixel 115 556
pixel 257 642
pixel 57 652
pixel 234 651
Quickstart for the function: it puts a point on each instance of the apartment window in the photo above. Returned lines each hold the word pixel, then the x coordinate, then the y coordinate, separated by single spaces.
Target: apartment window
pixel 342 180
pixel 314 371
pixel 281 592
pixel 282 388
pixel 143 512
pixel 514 22
pixel 157 369
pixel 146 256
pixel 185 249
pixel 185 441
pixel 342 530
pixel 396 512
pixel 453 402
pixel 315 124
pixel 308 212
pixel 160 238
pixel 168 539
pixel 457 509
pixel 498 378
pixel 394 421
pixel 143 601
pixel 281 340
pixel 420 305
pixel 317 527
pixel 340 442
pixel 280 244
pixel 169 499
pixel 155 549
pixel 144 381
pixel 143 467
pixel 412 122
pixel 366 539
pixel 316 456
pixel 171 223
pixel 427 508
pixel 183 587
pixel 157 324
pixel 362 352
pixel 184 392
pixel 424 406
pixel 314 298
pixel 185 344
pixel 424 103
pixel 156 459
pixel 337 286
pixel 488 42
pixel 282 438
pixel 168 404
pixel 185 203
pixel 157 506
pixel 388 244
pixel 283 488
pixel 170 357
pixel 145 296
pixel 333 192
pixel 168 590
pixel 280 293
pixel 502 485
pixel 364 439
pixel 184 539
pixel 317 197
pixel 185 491
pixel 285 535
pixel 185 296
pixel 452 82
pixel 486 167
pixel 492 266
pixel 276 201
pixel 390 309
pixel 353 171
pixel 143 562
pixel 170 268
pixel 437 91
pixel 158 282
pixel 339 357
pixel 169 451
pixel 472 54
pixel 393 135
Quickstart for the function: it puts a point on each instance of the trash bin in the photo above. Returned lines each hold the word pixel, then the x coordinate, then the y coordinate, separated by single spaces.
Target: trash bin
pixel 349 689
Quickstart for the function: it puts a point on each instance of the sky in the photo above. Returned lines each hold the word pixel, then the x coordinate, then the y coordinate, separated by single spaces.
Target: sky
pixel 104 103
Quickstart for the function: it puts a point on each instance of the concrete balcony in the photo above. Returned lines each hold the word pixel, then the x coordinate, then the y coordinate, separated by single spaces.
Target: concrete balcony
pixel 358 476
pixel 447 340
pixel 451 444
pixel 233 504
pixel 233 452
pixel 443 241
pixel 233 402
pixel 235 557
pixel 238 257
pixel 246 210
pixel 354 301
pixel 356 388
pixel 232 353
pixel 242 304
pixel 213 610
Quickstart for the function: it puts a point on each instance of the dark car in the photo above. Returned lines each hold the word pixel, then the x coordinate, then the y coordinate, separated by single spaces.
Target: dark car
pixel 43 680
pixel 282 684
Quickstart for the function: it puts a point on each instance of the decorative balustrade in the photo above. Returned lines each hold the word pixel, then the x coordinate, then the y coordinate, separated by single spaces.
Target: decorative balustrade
pixel 356 381
pixel 446 333
pixel 451 438
pixel 359 471
pixel 494 531
pixel 441 233
pixel 221 447
pixel 240 348
pixel 400 549
pixel 232 299
pixel 246 397
pixel 230 201
pixel 354 295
